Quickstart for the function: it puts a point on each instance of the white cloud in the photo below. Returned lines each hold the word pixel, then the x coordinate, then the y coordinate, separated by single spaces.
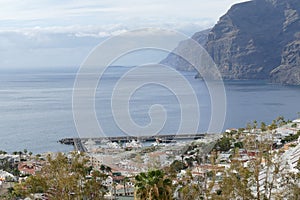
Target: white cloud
pixel 32 29
pixel 112 11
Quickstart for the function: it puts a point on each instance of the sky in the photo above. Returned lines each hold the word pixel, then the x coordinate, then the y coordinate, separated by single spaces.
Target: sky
pixel 61 33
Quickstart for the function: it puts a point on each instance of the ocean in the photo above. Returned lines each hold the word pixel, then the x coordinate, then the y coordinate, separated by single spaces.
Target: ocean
pixel 36 106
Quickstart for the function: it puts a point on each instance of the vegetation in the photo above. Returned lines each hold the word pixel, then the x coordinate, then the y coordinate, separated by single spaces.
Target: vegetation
pixel 291 138
pixel 64 178
pixel 3 152
pixel 235 183
pixel 177 166
pixel 256 171
pixel 256 179
pixel 153 185
pixel 223 144
pixel 188 190
pixel 263 126
pixel 238 145
pixel 8 165
pixel 242 181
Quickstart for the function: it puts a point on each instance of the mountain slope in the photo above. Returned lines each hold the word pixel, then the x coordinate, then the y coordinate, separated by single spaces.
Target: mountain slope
pixel 248 41
pixel 256 40
pixel 289 70
pixel 179 63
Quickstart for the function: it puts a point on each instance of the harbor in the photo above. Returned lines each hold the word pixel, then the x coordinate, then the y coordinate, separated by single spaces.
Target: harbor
pixel 170 138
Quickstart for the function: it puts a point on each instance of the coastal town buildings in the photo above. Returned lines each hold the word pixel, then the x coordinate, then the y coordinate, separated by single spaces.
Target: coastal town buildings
pixel 205 160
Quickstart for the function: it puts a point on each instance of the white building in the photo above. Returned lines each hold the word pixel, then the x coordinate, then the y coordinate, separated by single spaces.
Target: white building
pixel 297 121
pixel 4 175
pixel 288 162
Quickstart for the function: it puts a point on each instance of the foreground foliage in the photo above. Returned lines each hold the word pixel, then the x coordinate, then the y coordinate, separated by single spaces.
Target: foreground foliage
pixel 64 178
pixel 153 185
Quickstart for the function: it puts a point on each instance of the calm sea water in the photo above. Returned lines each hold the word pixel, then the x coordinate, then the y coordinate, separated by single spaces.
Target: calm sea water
pixel 36 107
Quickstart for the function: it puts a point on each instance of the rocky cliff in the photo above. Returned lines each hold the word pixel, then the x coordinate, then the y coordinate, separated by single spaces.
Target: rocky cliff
pixel 248 41
pixel 179 63
pixel 289 70
pixel 258 39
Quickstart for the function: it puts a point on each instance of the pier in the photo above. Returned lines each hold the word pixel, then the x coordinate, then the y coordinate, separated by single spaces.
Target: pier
pixel 77 142
pixel 78 145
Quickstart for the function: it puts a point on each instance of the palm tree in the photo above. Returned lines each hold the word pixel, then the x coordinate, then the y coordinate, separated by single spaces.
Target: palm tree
pixel 108 169
pixel 102 168
pixel 25 151
pixel 263 126
pixel 153 185
pixel 125 180
pixel 114 185
pixel 94 188
pixel 20 154
pixel 3 152
pixel 254 124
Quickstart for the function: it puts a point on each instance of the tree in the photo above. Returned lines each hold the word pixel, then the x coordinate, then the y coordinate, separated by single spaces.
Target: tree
pixel 108 169
pixel 235 183
pixel 64 178
pixel 153 185
pixel 223 144
pixel 125 181
pixel 281 121
pixel 260 163
pixel 3 152
pixel 248 127
pixel 25 151
pixel 20 154
pixel 102 168
pixel 238 145
pixel 263 175
pixel 190 190
pixel 292 184
pixel 254 124
pixel 263 126
pixel 189 161
pixel 93 187
pixel 11 167
pixel 273 125
pixel 177 166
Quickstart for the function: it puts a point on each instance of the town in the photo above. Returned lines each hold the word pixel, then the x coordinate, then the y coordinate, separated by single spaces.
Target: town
pixel 256 162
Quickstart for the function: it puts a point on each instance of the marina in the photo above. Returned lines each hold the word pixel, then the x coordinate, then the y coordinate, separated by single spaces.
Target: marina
pixel 170 138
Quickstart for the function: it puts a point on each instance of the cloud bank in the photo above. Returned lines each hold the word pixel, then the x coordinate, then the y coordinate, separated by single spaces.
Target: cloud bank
pixel 58 33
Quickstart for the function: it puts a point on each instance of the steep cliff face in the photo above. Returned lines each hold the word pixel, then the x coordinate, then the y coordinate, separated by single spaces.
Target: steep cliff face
pixel 252 39
pixel 179 63
pixel 289 70
pixel 248 40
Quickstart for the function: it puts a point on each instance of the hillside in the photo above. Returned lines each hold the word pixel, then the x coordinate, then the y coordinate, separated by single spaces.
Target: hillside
pixel 179 63
pixel 257 39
